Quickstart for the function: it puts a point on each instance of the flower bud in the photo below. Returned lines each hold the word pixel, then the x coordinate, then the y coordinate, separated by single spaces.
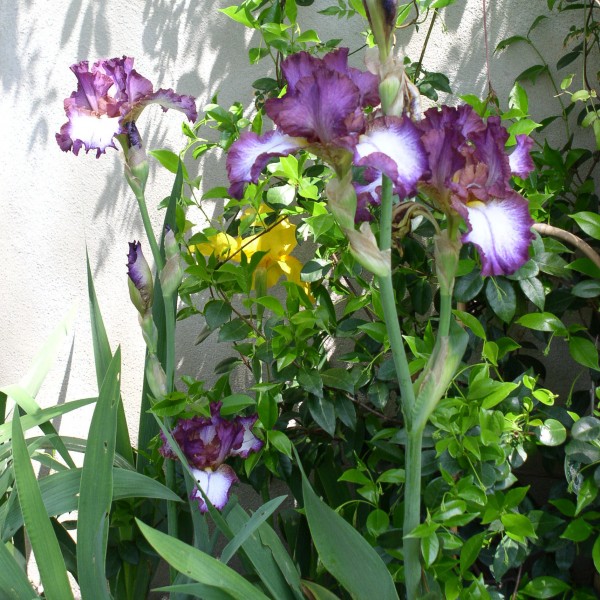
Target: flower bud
pixel 141 285
pixel 155 375
pixel 341 197
pixel 446 261
pixel 363 246
pixel 136 160
pixel 171 275
pixel 149 332
pixel 171 245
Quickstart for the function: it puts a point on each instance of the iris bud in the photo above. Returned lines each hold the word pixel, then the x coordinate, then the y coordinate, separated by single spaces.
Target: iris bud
pixel 382 18
pixel 363 246
pixel 342 201
pixel 155 375
pixel 141 284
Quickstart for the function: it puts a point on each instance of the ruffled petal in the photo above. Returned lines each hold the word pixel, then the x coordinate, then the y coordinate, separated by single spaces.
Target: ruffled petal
pixel 167 99
pixel 296 66
pixel 520 160
pixel 250 442
pixel 85 129
pixel 249 154
pixel 501 230
pixel 216 486
pixel 323 107
pixel 393 146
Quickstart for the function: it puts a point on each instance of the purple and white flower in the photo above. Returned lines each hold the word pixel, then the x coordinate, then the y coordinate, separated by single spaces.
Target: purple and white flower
pixel 470 173
pixel 206 444
pixel 108 101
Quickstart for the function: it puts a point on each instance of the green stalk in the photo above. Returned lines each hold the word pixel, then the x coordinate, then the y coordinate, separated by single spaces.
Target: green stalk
pixel 412 512
pixel 412 489
pixel 170 362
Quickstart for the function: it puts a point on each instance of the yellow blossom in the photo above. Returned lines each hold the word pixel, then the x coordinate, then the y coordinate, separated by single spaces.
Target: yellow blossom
pixel 277 243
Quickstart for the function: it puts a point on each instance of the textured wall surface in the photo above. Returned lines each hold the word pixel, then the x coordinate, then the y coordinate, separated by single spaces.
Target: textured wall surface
pixel 53 205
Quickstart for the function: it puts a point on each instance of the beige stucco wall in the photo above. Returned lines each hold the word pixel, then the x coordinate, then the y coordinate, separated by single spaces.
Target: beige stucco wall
pixel 53 205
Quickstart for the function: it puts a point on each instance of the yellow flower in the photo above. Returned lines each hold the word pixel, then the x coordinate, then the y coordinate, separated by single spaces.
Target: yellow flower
pixel 222 245
pixel 278 242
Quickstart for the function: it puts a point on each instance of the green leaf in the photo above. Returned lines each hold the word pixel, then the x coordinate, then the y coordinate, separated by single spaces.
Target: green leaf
pixel 96 490
pixel 587 429
pixel 586 495
pixel 310 35
pixel 240 14
pixel 13 580
pixel 471 322
pixel 42 538
pixel 199 566
pixel 532 73
pixel 344 552
pixel 584 351
pixel 378 522
pixel 196 590
pixel 217 312
pixel 551 433
pixel 102 358
pixel 430 546
pixel 249 527
pixel 470 551
pixel 234 331
pixel 590 288
pixel 534 291
pixel 339 379
pixel 589 222
pixel 169 160
pixel 501 298
pixel 235 403
pixel 468 286
pixel 318 592
pixel 60 495
pixel 596 554
pixel 310 380
pixel 280 441
pixel 510 41
pixel 543 322
pixel 323 413
pixel 517 526
pixel 43 416
pixel 545 587
pixel 518 99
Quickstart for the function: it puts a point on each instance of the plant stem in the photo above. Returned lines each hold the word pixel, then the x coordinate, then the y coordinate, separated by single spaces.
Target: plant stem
pixel 170 361
pixel 412 489
pixel 412 512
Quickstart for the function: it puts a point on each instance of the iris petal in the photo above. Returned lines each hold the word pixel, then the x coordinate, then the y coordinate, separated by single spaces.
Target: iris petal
pixel 393 146
pixel 248 156
pixel 216 486
pixel 501 230
pixel 520 160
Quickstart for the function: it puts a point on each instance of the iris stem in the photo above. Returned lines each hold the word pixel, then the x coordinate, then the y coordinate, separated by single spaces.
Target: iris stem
pixel 170 362
pixel 412 489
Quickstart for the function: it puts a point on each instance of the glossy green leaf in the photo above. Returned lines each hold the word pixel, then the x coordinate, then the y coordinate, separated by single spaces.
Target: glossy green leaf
pixel 584 351
pixel 589 222
pixel 470 551
pixel 217 312
pixel 200 566
pixel 317 591
pixel 517 525
pixel 234 331
pixel 586 429
pixel 544 321
pixel 235 403
pixel 501 298
pixel 551 433
pixel 323 413
pixel 545 587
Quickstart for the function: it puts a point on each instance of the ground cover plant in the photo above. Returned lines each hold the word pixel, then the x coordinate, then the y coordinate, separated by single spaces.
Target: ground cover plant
pixel 396 378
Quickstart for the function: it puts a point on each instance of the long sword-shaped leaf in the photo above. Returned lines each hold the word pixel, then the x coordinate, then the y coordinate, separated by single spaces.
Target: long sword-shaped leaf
pixel 43 541
pixel 13 581
pixel 200 566
pixel 96 490
pixel 59 493
pixel 43 416
pixel 102 358
pixel 260 555
pixel 344 552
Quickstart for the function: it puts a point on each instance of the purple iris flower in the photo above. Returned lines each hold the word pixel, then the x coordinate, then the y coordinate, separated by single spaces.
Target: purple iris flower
pixel 322 110
pixel 108 101
pixel 206 444
pixel 470 175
